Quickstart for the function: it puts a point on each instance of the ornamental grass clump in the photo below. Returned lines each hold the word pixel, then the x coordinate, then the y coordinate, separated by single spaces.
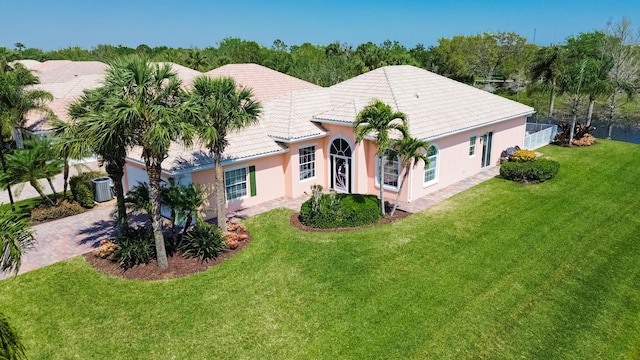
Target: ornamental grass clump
pixel 204 241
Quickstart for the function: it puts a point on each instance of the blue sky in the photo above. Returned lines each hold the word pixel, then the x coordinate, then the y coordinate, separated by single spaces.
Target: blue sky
pixel 54 24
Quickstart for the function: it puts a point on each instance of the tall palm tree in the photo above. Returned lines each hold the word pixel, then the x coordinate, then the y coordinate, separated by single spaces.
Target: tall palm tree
pixel 16 100
pixel 145 101
pixel 411 151
pixel 378 120
pixel 572 83
pixel 546 70
pixel 15 238
pixel 223 108
pixel 94 131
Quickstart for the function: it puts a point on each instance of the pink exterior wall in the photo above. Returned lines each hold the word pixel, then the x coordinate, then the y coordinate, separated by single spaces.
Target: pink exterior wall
pixel 297 187
pixel 270 182
pixel 279 175
pixel 455 164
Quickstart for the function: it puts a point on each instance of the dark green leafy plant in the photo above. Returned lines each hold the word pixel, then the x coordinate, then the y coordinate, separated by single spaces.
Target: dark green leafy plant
pixel 333 210
pixel 204 241
pixel 531 171
pixel 135 247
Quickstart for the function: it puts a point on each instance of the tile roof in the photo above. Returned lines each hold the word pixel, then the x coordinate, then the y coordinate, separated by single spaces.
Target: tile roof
pixel 266 83
pixel 435 105
pixel 290 116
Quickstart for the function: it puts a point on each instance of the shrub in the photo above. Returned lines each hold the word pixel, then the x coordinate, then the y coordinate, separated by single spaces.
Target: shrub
pixel 46 212
pixel 523 156
pixel 586 140
pixel 81 187
pixel 204 241
pixel 134 247
pixel 340 210
pixel 532 171
pixel 106 249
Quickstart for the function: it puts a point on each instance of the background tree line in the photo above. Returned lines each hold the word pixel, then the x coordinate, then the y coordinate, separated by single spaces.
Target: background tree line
pixel 589 73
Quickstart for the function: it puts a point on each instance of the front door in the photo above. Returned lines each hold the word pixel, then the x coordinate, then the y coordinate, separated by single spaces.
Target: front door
pixel 340 169
pixel 486 148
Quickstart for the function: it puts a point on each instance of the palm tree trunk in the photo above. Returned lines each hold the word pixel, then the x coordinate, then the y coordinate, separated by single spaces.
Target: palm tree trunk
pixel 154 171
pixel 573 128
pixel 592 102
pixel 552 100
pixel 116 174
pixel 4 169
pixel 36 185
pixel 55 195
pixel 65 175
pixel 609 130
pixel 404 178
pixel 381 183
pixel 220 193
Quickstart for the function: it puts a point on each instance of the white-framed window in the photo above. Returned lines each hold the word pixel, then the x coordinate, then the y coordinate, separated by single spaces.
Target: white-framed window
pixel 235 183
pixel 390 170
pixel 472 145
pixel 307 159
pixel 431 171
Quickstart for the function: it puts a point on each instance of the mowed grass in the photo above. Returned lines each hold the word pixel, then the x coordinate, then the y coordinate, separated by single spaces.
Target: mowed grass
pixel 503 270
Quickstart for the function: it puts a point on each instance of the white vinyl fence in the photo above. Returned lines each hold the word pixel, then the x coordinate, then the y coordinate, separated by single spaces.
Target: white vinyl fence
pixel 539 135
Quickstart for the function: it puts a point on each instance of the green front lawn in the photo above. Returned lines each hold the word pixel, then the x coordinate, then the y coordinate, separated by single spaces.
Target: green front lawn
pixel 500 271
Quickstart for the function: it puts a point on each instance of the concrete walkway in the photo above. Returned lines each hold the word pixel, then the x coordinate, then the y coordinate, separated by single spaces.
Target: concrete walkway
pixel 75 235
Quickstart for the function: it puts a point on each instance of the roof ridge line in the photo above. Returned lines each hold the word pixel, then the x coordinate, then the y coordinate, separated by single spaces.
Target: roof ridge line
pixel 393 95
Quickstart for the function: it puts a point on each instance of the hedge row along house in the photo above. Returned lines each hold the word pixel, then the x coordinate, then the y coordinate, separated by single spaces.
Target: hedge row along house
pixel 304 135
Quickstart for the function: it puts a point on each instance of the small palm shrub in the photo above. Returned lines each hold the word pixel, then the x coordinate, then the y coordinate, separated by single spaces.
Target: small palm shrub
pixel 45 212
pixel 134 247
pixel 204 241
pixel 327 211
pixel 523 156
pixel 81 188
pixel 530 171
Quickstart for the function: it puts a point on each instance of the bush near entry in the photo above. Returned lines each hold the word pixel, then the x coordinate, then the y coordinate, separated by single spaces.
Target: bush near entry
pixel 328 211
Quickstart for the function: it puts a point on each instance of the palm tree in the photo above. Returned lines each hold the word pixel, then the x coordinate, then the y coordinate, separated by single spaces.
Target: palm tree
pixel 377 119
pixel 15 238
pixel 145 101
pixel 196 59
pixel 546 69
pixel 410 151
pixel 31 164
pixel 571 82
pixel 16 100
pixel 93 131
pixel 223 108
pixel 11 346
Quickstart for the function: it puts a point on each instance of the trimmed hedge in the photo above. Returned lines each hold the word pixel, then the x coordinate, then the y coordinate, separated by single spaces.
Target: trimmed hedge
pixel 45 212
pixel 81 187
pixel 531 171
pixel 333 210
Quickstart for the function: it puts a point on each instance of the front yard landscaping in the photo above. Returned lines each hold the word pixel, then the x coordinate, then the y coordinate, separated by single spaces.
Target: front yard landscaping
pixel 503 270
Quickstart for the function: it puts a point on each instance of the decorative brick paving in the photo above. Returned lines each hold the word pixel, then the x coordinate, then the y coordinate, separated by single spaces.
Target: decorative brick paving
pixel 75 235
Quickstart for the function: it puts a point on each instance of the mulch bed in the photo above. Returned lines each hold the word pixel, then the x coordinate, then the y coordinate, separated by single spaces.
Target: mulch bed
pixel 181 266
pixel 387 219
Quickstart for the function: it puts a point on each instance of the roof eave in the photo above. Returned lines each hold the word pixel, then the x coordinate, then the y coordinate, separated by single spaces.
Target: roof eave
pixel 511 117
pixel 212 165
pixel 300 139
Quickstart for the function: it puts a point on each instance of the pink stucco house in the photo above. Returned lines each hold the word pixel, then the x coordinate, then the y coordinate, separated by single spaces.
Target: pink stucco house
pixel 305 137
